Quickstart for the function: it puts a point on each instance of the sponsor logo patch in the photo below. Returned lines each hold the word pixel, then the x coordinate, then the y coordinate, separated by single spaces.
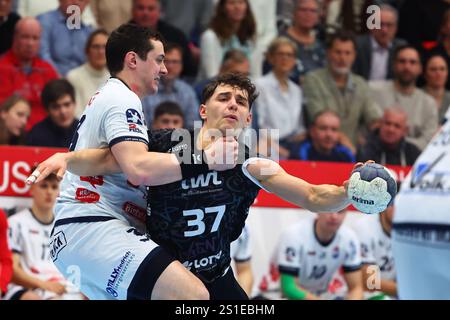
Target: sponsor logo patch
pixel 57 244
pixel 87 196
pixel 133 116
pixel 94 180
pixel 134 211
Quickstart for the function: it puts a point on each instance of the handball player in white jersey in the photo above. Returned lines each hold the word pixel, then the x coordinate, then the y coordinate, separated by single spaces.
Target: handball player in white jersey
pixel 99 220
pixel 421 228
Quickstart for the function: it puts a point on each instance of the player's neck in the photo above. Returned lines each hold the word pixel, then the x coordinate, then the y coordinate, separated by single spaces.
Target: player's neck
pixel 323 235
pixel 131 83
pixel 44 216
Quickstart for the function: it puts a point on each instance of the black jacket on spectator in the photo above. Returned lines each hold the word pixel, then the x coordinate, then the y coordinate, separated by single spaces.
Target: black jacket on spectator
pixel 7 32
pixel 405 155
pixel 363 59
pixel 47 134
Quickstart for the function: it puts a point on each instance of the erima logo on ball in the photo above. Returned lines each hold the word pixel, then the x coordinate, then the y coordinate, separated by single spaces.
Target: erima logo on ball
pixel 363 201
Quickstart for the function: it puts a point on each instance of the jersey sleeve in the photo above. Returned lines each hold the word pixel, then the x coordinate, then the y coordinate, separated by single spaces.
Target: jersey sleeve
pixel 15 239
pixel 162 140
pixel 125 123
pixel 249 176
pixel 289 254
pixel 244 250
pixel 352 253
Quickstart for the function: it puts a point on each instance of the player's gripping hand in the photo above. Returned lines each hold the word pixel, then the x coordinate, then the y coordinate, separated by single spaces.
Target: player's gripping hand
pixel 57 164
pixel 222 154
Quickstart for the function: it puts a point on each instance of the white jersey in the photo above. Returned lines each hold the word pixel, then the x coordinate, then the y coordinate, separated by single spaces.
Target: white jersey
pixel 113 115
pixel 376 245
pixel 30 238
pixel 240 249
pixel 424 197
pixel 301 254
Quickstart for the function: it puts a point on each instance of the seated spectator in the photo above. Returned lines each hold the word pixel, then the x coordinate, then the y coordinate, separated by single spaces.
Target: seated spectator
pixel 311 251
pixel 436 77
pixel 63 47
pixel 35 276
pixel 147 13
pixel 387 145
pixel 323 141
pixel 241 253
pixel 336 88
pixel 232 27
pixel 168 115
pixel 376 49
pixel 110 14
pixel 421 108
pixel 8 20
pixel 351 15
pixel 374 234
pixel 310 50
pixel 57 129
pixel 5 256
pixel 22 72
pixel 234 61
pixel 14 114
pixel 279 105
pixel 89 77
pixel 172 88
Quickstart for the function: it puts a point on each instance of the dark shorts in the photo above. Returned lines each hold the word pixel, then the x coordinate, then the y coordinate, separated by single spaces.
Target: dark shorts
pixel 226 288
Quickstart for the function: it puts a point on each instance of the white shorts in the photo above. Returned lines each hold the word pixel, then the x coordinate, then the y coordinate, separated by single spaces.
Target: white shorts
pixel 422 261
pixel 108 259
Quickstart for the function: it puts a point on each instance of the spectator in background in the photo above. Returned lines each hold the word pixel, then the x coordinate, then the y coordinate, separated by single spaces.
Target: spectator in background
pixel 35 276
pixel 421 108
pixel 232 27
pixel 349 15
pixel 62 46
pixel 311 251
pixel 168 115
pixel 443 43
pixel 241 253
pixel 147 13
pixel 234 61
pixel 58 98
pixel 8 20
pixel 436 77
pixel 279 105
pixel 172 88
pixel 323 141
pixel 376 49
pixel 14 114
pixel 110 14
pixel 387 145
pixel 336 88
pixel 22 72
pixel 33 8
pixel 310 50
pixel 5 256
pixel 87 78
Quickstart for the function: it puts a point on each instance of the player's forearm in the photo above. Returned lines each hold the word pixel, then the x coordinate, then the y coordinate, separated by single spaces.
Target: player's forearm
pixel 292 291
pixel 327 198
pixel 389 287
pixel 92 162
pixel 355 293
pixel 23 279
pixel 245 279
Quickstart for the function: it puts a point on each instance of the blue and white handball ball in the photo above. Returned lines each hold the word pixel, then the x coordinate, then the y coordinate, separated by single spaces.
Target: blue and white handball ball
pixel 371 188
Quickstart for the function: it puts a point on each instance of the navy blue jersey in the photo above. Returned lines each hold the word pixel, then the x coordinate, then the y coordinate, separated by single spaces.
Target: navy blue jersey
pixel 196 219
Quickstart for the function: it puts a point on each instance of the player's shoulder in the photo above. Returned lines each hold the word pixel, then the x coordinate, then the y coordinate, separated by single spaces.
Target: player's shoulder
pixel 23 216
pixel 116 92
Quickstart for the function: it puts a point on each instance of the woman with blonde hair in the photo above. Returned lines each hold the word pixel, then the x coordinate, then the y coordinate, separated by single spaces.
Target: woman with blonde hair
pixel 14 114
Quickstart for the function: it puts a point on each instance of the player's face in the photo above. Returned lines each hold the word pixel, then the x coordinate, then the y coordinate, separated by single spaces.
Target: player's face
pixel 62 112
pixel 45 193
pixel 16 118
pixel 168 121
pixel 151 70
pixel 228 108
pixel 331 221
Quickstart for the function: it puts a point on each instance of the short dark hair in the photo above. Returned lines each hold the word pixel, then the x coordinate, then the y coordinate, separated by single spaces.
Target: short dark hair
pixel 168 107
pixel 92 36
pixel 128 37
pixel 341 35
pixel 56 89
pixel 234 80
pixel 50 177
pixel 405 46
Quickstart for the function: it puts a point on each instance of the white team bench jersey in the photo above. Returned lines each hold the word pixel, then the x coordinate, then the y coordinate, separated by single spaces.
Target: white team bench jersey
pixel 424 196
pixel 301 254
pixel 240 249
pixel 114 114
pixel 376 245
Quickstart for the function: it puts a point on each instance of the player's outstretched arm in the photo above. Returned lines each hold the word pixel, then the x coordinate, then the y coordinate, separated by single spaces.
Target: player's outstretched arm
pixel 316 198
